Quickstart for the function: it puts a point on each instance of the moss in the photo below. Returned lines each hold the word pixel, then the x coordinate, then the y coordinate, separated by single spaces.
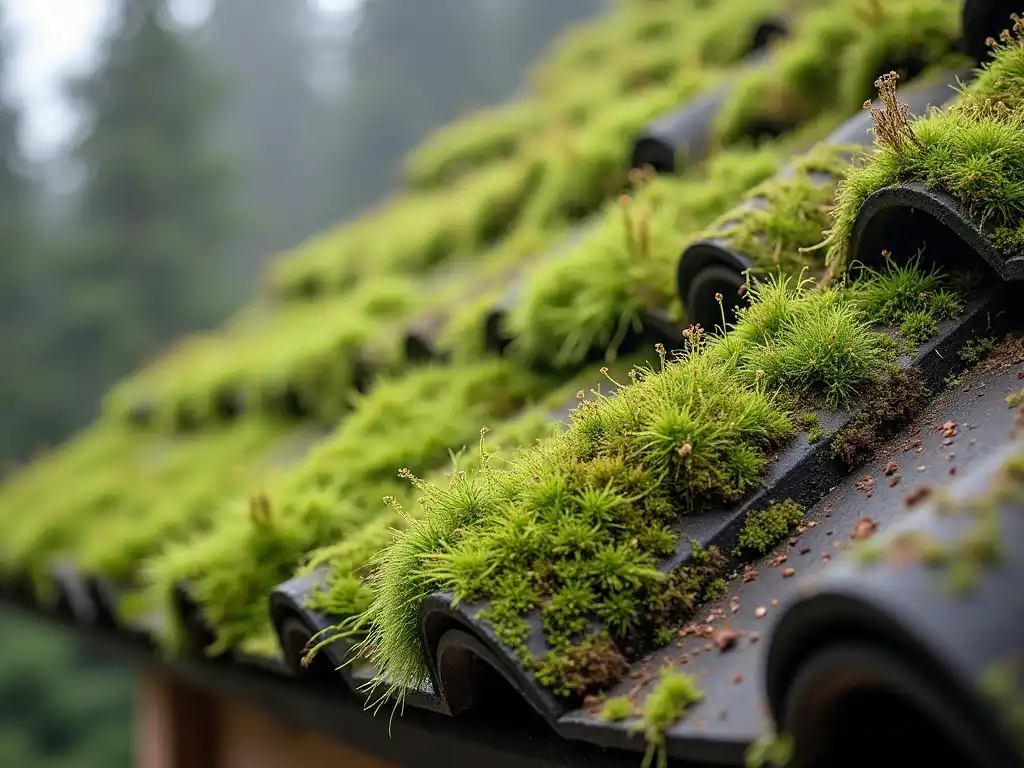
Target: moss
pixel 334 495
pixel 773 748
pixel 970 150
pixel 591 298
pixel 593 665
pixel 1002 685
pixel 575 526
pixel 111 527
pixel 301 361
pixel 765 528
pixel 976 350
pixel 617 709
pixel 830 60
pixel 885 407
pixel 809 422
pixel 1014 399
pixel 918 327
pixel 481 138
pixel 675 693
pixel 784 216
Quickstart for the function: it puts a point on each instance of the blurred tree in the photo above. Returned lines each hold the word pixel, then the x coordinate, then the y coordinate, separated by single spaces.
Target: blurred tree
pixel 59 706
pixel 270 116
pixel 153 215
pixel 412 67
pixel 24 390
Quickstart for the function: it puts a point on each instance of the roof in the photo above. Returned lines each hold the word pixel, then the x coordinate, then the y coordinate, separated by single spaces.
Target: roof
pixel 228 504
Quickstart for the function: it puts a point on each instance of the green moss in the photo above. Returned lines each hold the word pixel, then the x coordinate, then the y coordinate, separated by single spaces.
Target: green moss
pixel 767 527
pixel 575 526
pixel 675 693
pixel 134 495
pixel 976 350
pixel 771 749
pixel 809 422
pixel 1002 684
pixel 789 215
pixel 334 495
pixel 883 408
pixel 483 137
pixel 303 360
pixel 970 150
pixel 591 298
pixel 918 327
pixel 1014 399
pixel 830 60
pixel 617 709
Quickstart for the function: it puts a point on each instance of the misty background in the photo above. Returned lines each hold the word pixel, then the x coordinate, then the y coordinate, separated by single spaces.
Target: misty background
pixel 154 154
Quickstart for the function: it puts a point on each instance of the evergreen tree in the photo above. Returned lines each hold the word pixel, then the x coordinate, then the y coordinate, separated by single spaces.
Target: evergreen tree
pixel 271 116
pixel 25 416
pixel 153 215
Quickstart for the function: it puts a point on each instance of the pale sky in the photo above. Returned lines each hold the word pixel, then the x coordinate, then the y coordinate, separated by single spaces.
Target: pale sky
pixel 51 43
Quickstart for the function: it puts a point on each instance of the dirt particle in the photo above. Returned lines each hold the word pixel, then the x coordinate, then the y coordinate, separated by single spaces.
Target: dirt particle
pixel 949 429
pixel 895 480
pixel 726 638
pixel 775 602
pixel 916 496
pixel 866 484
pixel 787 572
pixel 737 678
pixel 760 611
pixel 779 559
pixel 805 550
pixel 749 574
pixel 891 468
pixel 864 528
pixel 952 470
pixel 825 557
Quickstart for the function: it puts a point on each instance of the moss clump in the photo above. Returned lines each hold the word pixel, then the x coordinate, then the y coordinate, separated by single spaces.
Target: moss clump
pixel 775 749
pixel 976 350
pixel 617 709
pixel 591 298
pixel 908 297
pixel 767 527
pixel 302 361
pixel 885 407
pixel 784 216
pixel 333 496
pixel 676 692
pixel 592 665
pixel 134 495
pixel 482 138
pixel 809 422
pixel 830 60
pixel 1002 684
pixel 576 526
pixel 971 150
